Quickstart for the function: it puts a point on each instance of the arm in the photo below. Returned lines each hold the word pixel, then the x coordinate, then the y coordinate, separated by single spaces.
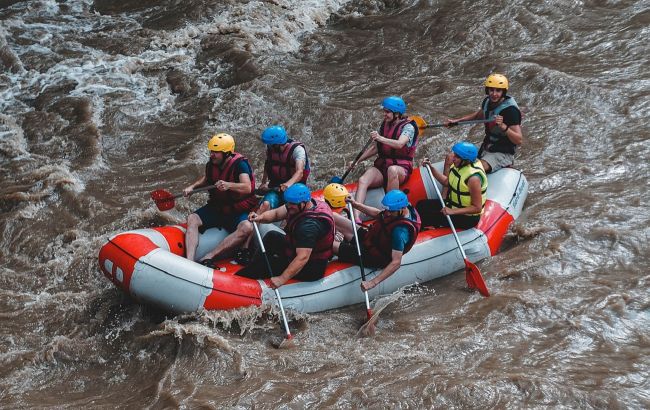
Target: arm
pixel 513 132
pixel 269 216
pixel 510 124
pixel 442 178
pixel 394 264
pixel 474 184
pixel 478 115
pixel 297 176
pixel 296 265
pixel 197 184
pixel 369 153
pixel 397 144
pixel 241 187
pixel 366 209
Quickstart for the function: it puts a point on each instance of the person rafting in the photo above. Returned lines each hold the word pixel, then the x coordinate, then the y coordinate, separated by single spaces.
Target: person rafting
pixel 396 142
pixel 466 187
pixel 385 241
pixel 230 201
pixel 286 163
pixel 303 252
pixel 504 134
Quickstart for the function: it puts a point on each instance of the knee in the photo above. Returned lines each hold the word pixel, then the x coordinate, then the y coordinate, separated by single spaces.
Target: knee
pixel 365 180
pixel 245 228
pixel 194 221
pixel 394 171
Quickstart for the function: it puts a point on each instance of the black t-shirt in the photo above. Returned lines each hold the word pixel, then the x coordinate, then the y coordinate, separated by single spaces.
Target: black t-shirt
pixel 308 231
pixel 511 115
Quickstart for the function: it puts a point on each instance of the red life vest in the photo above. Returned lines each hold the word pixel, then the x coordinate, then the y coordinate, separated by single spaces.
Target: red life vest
pixel 229 202
pixel 280 165
pixel 323 248
pixel 388 156
pixel 378 241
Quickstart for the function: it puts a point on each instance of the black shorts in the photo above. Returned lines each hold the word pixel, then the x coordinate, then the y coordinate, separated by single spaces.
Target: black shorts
pixel 429 210
pixel 348 252
pixel 275 246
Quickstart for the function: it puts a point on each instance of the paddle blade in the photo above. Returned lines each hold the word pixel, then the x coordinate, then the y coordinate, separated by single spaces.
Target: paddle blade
pixel 475 279
pixel 336 180
pixel 421 123
pixel 285 343
pixel 164 199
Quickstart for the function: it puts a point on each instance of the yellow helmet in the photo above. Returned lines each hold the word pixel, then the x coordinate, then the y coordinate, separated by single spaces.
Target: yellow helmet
pixel 335 195
pixel 496 81
pixel 222 143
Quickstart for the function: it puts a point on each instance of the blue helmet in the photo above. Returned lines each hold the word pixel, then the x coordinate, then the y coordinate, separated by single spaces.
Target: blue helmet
pixel 275 134
pixel 394 104
pixel 297 193
pixel 395 200
pixel 465 150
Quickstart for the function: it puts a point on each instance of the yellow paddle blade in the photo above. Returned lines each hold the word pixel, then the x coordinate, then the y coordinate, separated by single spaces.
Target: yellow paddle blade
pixel 421 123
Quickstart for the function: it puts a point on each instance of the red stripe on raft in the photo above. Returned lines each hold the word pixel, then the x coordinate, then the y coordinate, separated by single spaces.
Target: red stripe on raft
pixel 230 291
pixel 114 251
pixel 495 223
pixel 175 239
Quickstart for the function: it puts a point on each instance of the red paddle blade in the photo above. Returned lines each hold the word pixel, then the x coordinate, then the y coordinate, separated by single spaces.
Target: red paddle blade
pixel 164 199
pixel 475 279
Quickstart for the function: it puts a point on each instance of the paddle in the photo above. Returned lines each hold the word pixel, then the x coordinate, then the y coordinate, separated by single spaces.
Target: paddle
pixel 339 180
pixel 368 328
pixel 165 200
pixel 422 124
pixel 287 342
pixel 472 273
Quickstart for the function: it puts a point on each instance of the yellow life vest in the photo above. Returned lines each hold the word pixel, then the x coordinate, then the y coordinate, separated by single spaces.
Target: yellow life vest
pixel 459 196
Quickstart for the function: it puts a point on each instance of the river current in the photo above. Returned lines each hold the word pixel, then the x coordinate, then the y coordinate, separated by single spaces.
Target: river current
pixel 103 101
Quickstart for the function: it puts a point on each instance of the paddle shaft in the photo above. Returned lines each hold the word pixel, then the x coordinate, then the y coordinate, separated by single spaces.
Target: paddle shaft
pixel 363 273
pixel 453 124
pixel 354 163
pixel 270 270
pixel 204 188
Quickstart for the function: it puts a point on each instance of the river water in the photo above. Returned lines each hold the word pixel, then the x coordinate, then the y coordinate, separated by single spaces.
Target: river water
pixel 102 102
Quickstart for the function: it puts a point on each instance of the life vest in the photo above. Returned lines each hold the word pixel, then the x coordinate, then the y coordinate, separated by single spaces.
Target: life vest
pixel 378 241
pixel 280 165
pixel 388 156
pixel 458 195
pixel 495 139
pixel 323 248
pixel 229 202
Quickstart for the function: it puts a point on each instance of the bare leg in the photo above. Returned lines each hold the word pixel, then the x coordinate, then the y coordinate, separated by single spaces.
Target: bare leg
pixel 344 226
pixel 396 176
pixel 192 235
pixel 232 241
pixel 372 178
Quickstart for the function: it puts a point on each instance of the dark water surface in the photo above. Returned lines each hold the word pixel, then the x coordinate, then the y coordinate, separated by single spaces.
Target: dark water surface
pixel 102 102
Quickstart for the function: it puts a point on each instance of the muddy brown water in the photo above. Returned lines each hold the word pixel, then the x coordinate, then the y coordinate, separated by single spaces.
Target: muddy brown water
pixel 103 102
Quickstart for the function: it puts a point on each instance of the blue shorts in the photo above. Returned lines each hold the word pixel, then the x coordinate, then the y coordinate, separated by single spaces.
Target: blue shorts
pixel 274 198
pixel 212 218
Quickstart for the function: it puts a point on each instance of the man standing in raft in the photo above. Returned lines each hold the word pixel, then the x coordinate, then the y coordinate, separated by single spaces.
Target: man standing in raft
pixel 229 203
pixel 306 248
pixel 395 147
pixel 503 135
pixel 389 237
pixel 286 163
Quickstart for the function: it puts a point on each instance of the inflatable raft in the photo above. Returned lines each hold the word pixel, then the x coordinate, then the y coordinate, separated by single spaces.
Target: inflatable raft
pixel 149 264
